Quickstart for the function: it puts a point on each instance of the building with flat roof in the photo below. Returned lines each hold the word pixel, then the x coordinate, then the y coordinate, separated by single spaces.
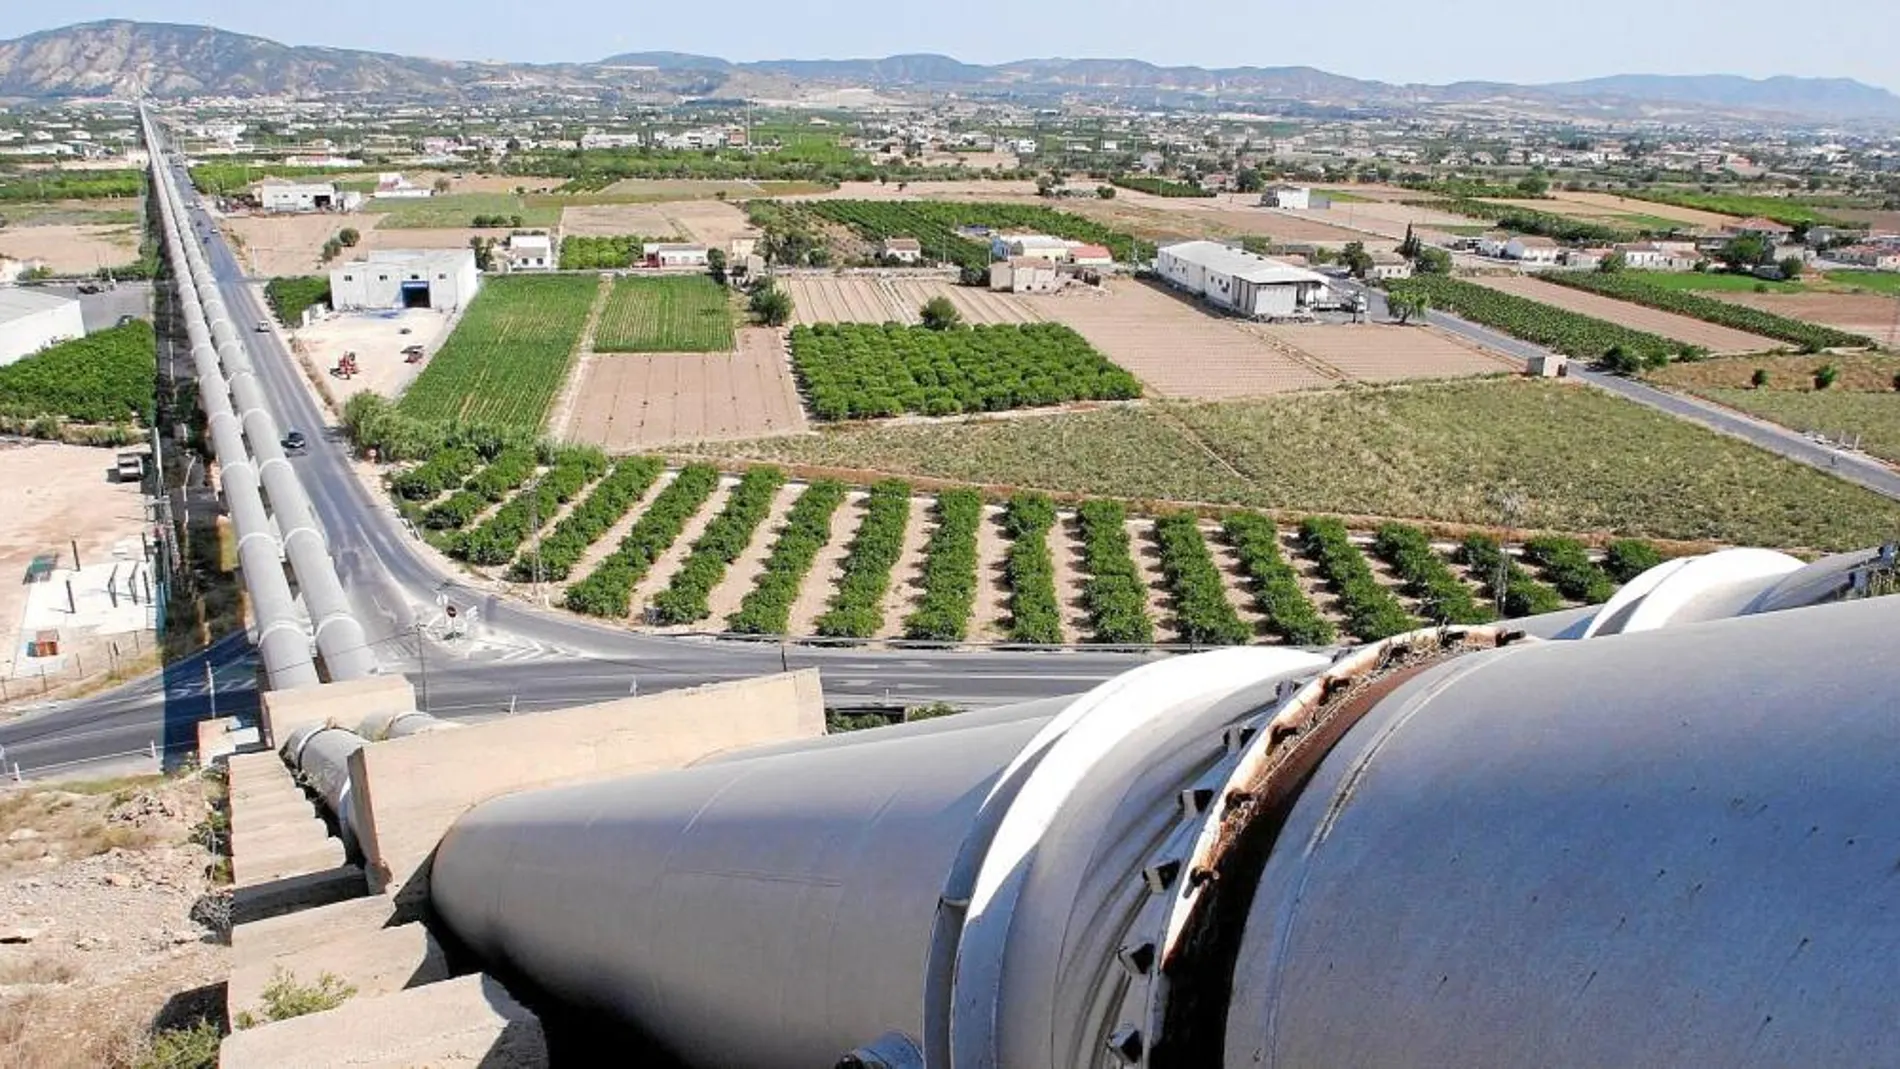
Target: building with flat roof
pixel 31 320
pixel 1240 281
pixel 529 252
pixel 1024 274
pixel 388 279
pixel 275 195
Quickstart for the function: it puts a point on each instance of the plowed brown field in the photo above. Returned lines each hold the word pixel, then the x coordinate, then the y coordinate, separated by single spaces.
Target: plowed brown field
pixel 629 403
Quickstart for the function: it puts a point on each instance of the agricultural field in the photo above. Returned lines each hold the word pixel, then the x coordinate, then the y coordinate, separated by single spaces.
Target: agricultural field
pixel 685 314
pixel 290 296
pixel 1675 328
pixel 1585 461
pixel 105 378
pixel 46 185
pixel 461 210
pixel 632 402
pixel 1176 347
pixel 865 371
pixel 1784 210
pixel 1887 282
pixel 509 355
pixel 1863 402
pixel 71 249
pixel 1712 282
pixel 1386 352
pixel 935 223
pixel 1761 324
pixel 1870 315
pixel 762 554
pixel 102 212
pixel 1610 203
pixel 616 220
pixel 870 299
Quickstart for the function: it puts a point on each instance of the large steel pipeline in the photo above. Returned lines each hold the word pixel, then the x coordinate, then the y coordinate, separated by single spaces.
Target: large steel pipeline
pixel 283 645
pixel 339 636
pixel 1470 847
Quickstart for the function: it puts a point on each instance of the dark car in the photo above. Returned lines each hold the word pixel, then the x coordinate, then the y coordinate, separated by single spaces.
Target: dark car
pixel 294 442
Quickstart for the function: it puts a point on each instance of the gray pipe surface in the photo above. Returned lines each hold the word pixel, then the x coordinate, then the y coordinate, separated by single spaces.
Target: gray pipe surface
pixel 1666 847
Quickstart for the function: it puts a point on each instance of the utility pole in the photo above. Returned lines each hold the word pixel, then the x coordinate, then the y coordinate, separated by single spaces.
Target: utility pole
pixel 534 525
pixel 422 655
pixel 211 688
pixel 1510 503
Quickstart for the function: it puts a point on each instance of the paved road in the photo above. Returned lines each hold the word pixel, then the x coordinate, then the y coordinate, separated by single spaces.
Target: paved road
pixel 1776 439
pixel 519 658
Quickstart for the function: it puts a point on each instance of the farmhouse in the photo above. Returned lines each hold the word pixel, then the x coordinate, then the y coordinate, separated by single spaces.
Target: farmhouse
pixel 389 279
pixel 1040 246
pixel 1758 227
pixel 31 320
pixel 1878 257
pixel 1532 249
pixel 529 252
pixel 276 195
pixel 1294 197
pixel 1024 274
pixel 1243 282
pixel 1390 265
pixel 1091 256
pixel 667 254
pixel 903 250
pixel 1649 256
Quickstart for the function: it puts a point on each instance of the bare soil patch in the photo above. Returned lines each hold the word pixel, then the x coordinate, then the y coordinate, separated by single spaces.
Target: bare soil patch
pixel 1715 338
pixel 827 568
pixel 1141 542
pixel 276 245
pixel 669 563
pixel 71 249
pixel 907 587
pixel 1386 352
pixel 744 572
pixel 992 579
pixel 1599 203
pixel 628 403
pixel 377 339
pixel 613 220
pixel 1861 313
pixel 897 299
pixel 710 222
pixel 1177 348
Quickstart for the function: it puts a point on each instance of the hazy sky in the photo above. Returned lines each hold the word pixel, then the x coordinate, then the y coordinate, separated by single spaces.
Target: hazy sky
pixel 1390 40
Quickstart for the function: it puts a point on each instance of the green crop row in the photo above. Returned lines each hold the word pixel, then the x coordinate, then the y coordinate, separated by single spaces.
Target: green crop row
pixel 684 599
pixel 504 474
pixel 1624 287
pixel 501 535
pixel 1160 187
pixel 107 377
pixel 427 480
pixel 1116 598
pixel 1034 613
pixel 1579 336
pixel 608 591
pixel 862 370
pixel 857 606
pixel 1523 595
pixel 1275 585
pixel 1567 563
pixel 508 356
pixel 1443 597
pixel 767 608
pixel 580 252
pixel 603 507
pixel 949 574
pixel 1627 558
pixel 1372 612
pixel 1203 616
pixel 456 512
pixel 289 297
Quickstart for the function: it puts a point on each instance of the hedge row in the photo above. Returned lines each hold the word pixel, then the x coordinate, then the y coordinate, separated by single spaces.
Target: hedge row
pixel 609 501
pixel 1203 615
pixel 1372 612
pixel 1275 585
pixel 609 590
pixel 684 599
pixel 1117 599
pixel 1627 558
pixel 1034 613
pixel 949 577
pixel 1523 595
pixel 497 539
pixel 857 607
pixel 767 609
pixel 1443 597
pixel 1566 562
pixel 505 474
pixel 455 513
pixel 441 471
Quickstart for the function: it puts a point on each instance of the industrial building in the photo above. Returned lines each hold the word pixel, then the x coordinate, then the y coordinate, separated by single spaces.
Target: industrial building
pixel 31 320
pixel 1242 282
pixel 387 279
pixel 276 195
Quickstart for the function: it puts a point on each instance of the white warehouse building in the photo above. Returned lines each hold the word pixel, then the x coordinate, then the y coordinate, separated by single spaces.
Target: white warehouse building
pixel 275 195
pixel 1240 281
pixel 31 320
pixel 442 279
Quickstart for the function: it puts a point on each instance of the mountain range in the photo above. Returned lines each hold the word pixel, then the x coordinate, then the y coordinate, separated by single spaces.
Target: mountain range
pixel 123 59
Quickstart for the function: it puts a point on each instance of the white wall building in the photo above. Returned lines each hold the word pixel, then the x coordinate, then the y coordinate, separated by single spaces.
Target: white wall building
pixel 1240 281
pixel 1040 246
pixel 392 186
pixel 387 279
pixel 31 320
pixel 1532 249
pixel 1024 274
pixel 664 254
pixel 279 196
pixel 530 252
pixel 1295 197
